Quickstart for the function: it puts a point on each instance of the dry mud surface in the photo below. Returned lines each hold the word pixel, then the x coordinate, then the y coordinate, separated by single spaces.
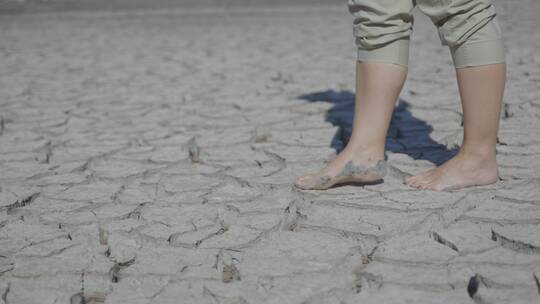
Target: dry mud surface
pixel 148 157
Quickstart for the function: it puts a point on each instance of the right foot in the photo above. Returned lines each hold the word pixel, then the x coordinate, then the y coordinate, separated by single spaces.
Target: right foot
pixel 343 168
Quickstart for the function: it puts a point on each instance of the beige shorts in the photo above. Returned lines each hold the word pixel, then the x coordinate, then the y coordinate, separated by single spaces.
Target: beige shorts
pixel 382 29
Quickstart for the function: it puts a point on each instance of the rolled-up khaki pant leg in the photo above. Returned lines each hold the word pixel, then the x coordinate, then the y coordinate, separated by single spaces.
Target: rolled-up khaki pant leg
pixel 469 28
pixel 382 29
pixel 484 47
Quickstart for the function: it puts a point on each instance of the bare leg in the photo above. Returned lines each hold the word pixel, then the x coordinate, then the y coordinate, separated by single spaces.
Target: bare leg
pixel 377 88
pixel 481 89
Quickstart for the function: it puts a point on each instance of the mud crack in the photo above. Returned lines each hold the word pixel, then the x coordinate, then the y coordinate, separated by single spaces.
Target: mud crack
pixel 20 203
pixel 514 245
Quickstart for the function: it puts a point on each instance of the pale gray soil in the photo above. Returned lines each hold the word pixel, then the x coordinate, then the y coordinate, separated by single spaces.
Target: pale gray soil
pixel 33 6
pixel 148 157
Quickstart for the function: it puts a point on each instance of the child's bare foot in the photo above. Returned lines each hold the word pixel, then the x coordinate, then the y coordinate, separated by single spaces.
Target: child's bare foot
pixel 459 172
pixel 345 167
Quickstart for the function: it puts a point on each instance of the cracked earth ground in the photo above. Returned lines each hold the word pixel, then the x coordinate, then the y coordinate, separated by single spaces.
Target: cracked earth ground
pixel 148 157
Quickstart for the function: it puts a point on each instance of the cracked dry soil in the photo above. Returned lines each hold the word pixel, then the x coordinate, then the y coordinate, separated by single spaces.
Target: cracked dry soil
pixel 148 157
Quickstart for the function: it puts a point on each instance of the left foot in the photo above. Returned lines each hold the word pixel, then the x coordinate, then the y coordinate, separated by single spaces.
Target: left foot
pixel 459 172
pixel 350 165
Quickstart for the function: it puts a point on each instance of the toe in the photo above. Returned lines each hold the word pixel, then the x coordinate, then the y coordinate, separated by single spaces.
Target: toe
pixel 416 181
pixel 419 185
pixel 307 182
pixel 301 184
pixel 304 177
pixel 426 186
pixel 412 183
pixel 423 183
pixel 301 181
pixel 411 180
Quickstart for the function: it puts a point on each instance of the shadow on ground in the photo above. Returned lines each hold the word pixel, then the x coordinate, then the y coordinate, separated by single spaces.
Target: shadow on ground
pixel 407 134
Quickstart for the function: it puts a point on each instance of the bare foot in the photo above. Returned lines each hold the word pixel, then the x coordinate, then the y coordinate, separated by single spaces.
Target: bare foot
pixel 459 172
pixel 345 167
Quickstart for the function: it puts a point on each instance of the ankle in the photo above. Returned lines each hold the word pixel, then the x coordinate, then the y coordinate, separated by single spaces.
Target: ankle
pixel 370 152
pixel 482 153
